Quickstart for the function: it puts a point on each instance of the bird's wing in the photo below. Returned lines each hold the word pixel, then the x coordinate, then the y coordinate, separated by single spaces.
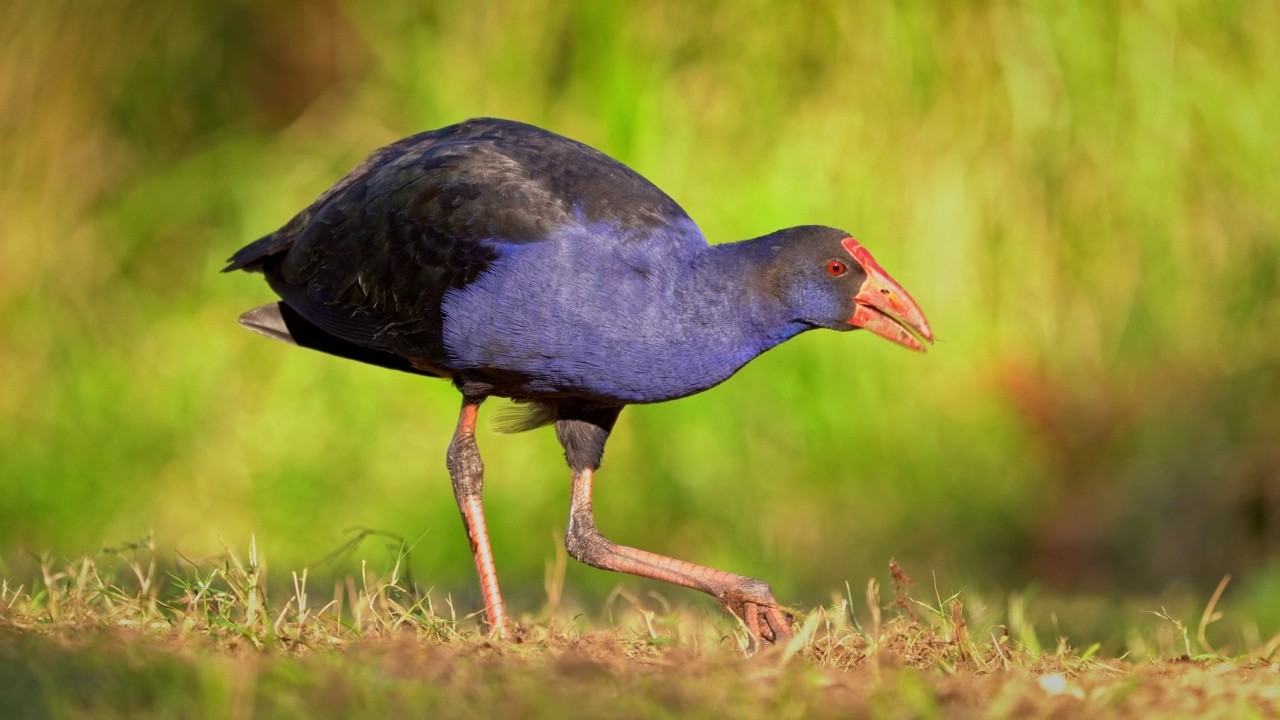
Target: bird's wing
pixel 371 260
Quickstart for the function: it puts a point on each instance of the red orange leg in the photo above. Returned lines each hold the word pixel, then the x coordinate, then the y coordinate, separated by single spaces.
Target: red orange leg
pixel 467 472
pixel 750 600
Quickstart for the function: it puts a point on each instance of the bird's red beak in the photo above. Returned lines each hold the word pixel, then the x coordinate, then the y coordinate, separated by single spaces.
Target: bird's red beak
pixel 883 307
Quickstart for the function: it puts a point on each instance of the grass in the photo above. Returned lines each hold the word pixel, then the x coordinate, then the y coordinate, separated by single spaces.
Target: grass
pixel 111 636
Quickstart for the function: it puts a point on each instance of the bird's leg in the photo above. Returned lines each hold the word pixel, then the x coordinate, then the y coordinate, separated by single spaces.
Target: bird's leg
pixel 752 601
pixel 583 432
pixel 467 472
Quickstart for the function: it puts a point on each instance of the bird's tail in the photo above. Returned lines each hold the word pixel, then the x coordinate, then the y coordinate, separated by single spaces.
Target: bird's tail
pixel 251 256
pixel 279 321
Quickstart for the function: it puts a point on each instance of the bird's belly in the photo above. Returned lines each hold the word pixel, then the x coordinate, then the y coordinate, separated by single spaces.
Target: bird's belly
pixel 610 375
pixel 639 357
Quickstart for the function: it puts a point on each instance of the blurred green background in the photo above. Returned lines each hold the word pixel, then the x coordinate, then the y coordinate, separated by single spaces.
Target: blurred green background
pixel 1085 198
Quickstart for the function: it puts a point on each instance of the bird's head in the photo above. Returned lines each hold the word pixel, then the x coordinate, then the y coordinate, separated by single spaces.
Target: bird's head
pixel 832 281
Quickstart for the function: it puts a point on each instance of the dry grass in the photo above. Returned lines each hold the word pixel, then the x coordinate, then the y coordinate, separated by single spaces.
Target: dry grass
pixel 108 636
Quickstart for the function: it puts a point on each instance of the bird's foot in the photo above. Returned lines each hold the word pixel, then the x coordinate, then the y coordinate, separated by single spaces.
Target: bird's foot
pixel 500 630
pixel 752 602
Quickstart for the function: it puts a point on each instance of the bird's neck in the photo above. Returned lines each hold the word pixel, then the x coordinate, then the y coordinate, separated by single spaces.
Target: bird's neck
pixel 735 290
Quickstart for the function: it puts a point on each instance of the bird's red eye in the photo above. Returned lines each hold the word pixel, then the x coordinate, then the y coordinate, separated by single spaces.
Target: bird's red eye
pixel 836 268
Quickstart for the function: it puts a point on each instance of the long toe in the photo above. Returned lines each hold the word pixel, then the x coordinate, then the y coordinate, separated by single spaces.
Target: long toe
pixel 779 622
pixel 752 602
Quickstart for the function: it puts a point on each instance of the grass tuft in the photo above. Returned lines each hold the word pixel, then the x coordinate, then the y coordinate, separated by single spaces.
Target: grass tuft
pixel 107 634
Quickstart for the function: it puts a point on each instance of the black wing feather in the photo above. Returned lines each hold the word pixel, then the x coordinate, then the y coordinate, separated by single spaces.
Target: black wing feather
pixel 371 260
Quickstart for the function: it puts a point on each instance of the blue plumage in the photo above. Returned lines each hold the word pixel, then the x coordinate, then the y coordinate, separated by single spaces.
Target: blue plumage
pixel 597 313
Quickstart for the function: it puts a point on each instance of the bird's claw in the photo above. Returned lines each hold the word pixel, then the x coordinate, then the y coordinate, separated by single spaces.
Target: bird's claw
pixel 752 602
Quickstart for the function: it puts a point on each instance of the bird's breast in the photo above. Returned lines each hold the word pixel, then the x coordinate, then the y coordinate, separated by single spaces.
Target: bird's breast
pixel 613 326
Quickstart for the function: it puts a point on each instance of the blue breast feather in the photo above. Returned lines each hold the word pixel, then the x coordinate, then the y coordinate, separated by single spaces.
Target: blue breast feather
pixel 628 318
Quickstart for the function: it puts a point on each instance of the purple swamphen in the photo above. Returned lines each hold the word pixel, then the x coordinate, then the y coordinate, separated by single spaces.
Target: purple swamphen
pixel 519 263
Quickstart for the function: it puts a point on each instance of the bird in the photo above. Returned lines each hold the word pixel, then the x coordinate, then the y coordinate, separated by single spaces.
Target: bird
pixel 518 263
